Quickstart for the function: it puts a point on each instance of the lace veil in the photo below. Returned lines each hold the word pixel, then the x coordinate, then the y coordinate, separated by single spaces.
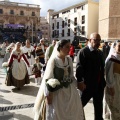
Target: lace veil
pixel 47 75
pixel 111 52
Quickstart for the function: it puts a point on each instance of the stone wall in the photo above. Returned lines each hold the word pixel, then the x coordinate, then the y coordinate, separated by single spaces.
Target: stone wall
pixel 109 19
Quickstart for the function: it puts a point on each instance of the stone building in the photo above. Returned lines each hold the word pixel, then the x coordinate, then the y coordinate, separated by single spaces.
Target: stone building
pixel 109 19
pixel 19 16
pixel 77 21
pixel 44 28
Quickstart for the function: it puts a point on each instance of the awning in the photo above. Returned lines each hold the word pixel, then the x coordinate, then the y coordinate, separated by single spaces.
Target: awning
pixel 14 26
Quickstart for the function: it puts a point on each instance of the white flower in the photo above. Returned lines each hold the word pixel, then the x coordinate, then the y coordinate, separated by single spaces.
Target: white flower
pixel 5 64
pixel 53 82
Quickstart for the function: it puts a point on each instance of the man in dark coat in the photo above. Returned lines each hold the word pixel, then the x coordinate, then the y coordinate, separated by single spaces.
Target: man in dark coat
pixel 90 74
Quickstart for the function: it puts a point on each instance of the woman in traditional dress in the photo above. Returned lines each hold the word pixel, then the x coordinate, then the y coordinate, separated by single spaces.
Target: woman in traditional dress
pixel 8 52
pixel 29 52
pixel 58 97
pixel 7 55
pixel 112 95
pixel 17 75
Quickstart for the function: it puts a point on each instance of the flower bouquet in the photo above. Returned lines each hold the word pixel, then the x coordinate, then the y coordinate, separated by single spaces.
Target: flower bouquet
pixel 53 84
pixel 5 64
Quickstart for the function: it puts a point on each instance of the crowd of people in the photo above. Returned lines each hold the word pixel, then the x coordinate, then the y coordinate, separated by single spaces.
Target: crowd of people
pixel 19 63
pixel 62 95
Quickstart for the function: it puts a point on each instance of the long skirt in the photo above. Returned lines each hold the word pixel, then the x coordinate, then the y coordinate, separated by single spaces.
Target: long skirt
pixel 66 105
pixel 17 75
pixel 114 101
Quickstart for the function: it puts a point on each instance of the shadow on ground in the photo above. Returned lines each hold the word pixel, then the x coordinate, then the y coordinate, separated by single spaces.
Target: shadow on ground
pixel 4 91
pixel 11 116
pixel 26 90
pixel 5 101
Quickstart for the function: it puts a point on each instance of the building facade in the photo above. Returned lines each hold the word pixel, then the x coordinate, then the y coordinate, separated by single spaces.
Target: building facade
pixel 109 19
pixel 25 15
pixel 78 20
pixel 44 29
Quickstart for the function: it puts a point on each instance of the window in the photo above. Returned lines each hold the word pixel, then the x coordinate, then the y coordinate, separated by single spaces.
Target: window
pixel 33 13
pixel 66 12
pixel 68 22
pixel 83 19
pixel 57 25
pixel 53 26
pixel 63 23
pixel 75 21
pixel 75 10
pixel 62 33
pixel 21 12
pixel 75 31
pixel 55 16
pixel 83 30
pixel 68 32
pixel 53 34
pixel 12 12
pixel 78 7
pixel 78 28
pixel 57 33
pixel 1 11
pixel 83 7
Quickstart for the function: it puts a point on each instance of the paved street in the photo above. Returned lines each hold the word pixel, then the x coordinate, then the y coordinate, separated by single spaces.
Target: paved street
pixel 18 104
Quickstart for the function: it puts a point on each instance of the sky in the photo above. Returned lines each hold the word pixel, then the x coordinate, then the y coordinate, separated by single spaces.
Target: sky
pixel 50 4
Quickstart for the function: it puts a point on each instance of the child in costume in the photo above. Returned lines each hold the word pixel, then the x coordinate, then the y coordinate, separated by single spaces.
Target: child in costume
pixel 37 66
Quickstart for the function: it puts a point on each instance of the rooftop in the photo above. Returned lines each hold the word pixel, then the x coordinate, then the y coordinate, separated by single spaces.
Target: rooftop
pixel 7 2
pixel 76 5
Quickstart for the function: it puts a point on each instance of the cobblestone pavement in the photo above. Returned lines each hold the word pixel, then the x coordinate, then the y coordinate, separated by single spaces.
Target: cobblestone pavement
pixel 18 104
